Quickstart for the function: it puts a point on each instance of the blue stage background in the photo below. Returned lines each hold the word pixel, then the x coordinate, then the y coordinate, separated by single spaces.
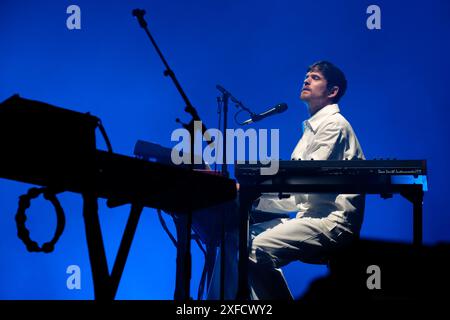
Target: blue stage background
pixel 259 50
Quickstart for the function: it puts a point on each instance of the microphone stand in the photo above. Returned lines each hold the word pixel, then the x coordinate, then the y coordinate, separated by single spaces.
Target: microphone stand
pixel 139 14
pixel 184 293
pixel 224 99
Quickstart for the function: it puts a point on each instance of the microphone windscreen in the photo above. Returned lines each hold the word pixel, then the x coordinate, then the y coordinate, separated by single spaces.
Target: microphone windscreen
pixel 281 107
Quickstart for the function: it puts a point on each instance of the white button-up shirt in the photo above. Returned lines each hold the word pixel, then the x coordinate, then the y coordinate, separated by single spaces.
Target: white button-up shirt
pixel 327 135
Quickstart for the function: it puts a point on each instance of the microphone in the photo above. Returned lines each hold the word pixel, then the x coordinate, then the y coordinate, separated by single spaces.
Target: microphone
pixel 279 108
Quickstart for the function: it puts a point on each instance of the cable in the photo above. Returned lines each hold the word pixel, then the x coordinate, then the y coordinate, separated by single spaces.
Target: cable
pixel 166 229
pixel 219 111
pixel 105 136
pixel 235 117
pixel 201 285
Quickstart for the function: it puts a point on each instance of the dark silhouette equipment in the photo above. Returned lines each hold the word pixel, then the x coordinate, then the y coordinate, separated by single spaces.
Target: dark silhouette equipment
pixel 24 234
pixel 56 148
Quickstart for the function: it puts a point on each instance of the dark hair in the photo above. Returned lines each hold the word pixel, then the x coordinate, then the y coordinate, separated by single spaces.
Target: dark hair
pixel 334 76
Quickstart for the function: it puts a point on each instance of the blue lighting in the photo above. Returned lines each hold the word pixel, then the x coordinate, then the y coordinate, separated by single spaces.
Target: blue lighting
pixel 409 179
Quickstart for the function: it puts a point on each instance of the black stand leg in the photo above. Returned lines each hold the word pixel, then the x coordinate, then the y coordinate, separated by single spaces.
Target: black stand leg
pixel 188 259
pixel 416 198
pixel 222 260
pixel 124 248
pixel 105 286
pixel 97 256
pixel 417 219
pixel 245 202
pixel 183 223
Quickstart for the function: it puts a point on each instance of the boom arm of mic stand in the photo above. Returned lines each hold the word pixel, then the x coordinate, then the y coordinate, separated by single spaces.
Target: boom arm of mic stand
pixel 139 14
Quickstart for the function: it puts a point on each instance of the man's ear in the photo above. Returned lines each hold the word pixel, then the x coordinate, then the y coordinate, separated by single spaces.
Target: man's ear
pixel 332 93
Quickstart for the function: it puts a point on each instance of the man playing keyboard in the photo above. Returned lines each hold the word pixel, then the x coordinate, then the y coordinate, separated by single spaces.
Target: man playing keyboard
pixel 323 222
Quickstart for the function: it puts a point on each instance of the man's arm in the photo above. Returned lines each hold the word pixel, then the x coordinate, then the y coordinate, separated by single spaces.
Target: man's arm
pixel 328 144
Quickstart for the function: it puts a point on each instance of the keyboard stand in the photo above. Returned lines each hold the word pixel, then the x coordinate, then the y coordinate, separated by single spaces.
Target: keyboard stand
pixel 106 284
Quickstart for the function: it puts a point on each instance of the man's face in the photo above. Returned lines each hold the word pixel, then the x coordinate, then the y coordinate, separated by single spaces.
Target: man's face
pixel 314 87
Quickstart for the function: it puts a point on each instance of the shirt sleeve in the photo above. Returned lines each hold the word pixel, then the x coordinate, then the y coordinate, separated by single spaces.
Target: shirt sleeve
pixel 270 202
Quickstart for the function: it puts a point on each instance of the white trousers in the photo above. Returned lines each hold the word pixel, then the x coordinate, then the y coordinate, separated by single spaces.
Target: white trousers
pixel 274 244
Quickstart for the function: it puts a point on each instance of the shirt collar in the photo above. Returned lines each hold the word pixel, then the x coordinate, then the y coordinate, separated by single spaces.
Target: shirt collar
pixel 314 122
